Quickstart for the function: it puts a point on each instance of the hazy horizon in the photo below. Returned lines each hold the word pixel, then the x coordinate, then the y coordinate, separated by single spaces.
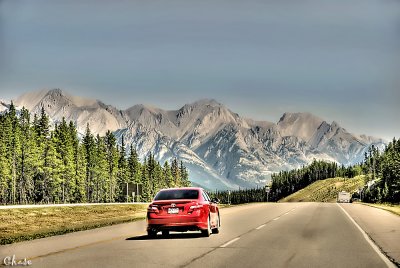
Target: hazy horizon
pixel 338 60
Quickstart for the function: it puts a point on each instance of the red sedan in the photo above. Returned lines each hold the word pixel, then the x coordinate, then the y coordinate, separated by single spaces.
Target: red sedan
pixel 183 209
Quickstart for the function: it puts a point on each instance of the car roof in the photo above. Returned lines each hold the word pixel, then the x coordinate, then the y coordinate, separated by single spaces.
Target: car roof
pixel 183 188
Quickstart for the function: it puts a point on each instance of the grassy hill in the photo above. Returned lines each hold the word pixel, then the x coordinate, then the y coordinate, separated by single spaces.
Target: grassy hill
pixel 325 190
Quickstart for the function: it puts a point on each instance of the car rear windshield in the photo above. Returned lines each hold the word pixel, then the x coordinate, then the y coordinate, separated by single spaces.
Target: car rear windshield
pixel 177 194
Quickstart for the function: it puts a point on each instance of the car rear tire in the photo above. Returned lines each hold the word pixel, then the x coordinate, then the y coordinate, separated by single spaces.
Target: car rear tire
pixel 207 232
pixel 165 233
pixel 151 233
pixel 216 229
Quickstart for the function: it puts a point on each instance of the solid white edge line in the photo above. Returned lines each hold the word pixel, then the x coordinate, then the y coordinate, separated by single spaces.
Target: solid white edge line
pixel 371 243
pixel 261 226
pixel 230 242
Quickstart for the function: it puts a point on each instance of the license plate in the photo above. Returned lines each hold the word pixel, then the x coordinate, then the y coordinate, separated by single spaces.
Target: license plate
pixel 173 210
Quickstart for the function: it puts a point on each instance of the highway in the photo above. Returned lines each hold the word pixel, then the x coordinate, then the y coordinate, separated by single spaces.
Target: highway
pixel 255 235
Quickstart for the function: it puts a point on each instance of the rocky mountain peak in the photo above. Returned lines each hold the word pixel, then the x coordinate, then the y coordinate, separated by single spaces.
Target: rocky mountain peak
pixel 221 149
pixel 300 125
pixel 56 93
pixel 335 125
pixel 206 103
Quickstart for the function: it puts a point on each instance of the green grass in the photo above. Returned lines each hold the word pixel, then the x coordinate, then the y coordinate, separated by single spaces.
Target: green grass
pixel 31 223
pixel 325 190
pixel 18 225
pixel 395 209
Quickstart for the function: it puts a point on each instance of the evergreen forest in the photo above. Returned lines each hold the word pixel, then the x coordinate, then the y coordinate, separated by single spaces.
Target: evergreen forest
pixel 41 164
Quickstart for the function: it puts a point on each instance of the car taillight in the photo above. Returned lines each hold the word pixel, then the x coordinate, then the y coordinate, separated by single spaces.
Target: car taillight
pixel 152 209
pixel 194 207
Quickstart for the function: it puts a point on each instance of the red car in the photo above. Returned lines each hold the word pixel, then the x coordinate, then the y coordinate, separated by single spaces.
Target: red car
pixel 183 209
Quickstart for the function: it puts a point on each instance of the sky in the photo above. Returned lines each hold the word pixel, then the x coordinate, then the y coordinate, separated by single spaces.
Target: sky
pixel 337 59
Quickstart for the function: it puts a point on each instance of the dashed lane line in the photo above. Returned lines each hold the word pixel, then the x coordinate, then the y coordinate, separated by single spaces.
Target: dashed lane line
pixel 230 242
pixel 261 226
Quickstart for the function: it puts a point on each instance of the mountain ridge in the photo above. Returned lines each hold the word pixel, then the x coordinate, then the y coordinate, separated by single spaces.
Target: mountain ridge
pixel 221 148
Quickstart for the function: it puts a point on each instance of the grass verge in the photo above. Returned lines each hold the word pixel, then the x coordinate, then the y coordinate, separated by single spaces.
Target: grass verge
pixel 31 223
pixel 395 209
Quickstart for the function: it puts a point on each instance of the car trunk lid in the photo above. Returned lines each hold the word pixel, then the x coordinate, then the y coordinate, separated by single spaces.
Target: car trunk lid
pixel 174 207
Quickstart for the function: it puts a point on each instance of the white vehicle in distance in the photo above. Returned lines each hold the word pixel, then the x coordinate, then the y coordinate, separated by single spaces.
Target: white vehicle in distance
pixel 344 197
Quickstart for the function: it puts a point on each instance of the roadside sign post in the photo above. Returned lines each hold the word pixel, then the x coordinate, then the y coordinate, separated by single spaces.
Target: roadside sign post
pixel 132 190
pixel 229 197
pixel 127 193
pixel 267 189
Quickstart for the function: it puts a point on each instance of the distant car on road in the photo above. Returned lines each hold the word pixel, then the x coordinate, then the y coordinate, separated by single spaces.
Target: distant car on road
pixel 344 197
pixel 183 209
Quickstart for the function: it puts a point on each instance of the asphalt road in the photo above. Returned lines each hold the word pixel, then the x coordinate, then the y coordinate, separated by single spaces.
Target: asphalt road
pixel 257 235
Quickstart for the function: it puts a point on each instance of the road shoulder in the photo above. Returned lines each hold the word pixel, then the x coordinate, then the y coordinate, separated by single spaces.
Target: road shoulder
pixel 381 226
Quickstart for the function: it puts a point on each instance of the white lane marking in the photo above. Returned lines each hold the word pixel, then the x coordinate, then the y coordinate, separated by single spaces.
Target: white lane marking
pixel 370 242
pixel 261 226
pixel 277 218
pixel 230 242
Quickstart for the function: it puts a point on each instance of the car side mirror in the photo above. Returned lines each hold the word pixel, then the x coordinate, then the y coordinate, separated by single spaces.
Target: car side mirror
pixel 215 200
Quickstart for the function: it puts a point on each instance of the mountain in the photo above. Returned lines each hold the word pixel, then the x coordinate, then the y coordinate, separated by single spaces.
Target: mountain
pixel 221 149
pixel 58 104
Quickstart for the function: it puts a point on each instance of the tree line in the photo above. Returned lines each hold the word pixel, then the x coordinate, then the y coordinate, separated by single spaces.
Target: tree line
pixel 285 183
pixel 240 196
pixel 382 169
pixel 40 164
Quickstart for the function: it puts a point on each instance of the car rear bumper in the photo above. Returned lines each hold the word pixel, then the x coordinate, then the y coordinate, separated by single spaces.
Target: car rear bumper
pixel 178 223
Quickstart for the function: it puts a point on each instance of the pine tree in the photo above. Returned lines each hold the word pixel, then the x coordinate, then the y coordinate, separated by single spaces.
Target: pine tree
pixel 79 196
pixel 122 178
pixel 112 166
pixel 100 171
pixel 52 183
pixel 78 158
pixel 150 166
pixel 44 125
pixel 14 148
pixel 90 155
pixel 168 178
pixel 26 160
pixel 146 187
pixel 175 173
pixel 184 174
pixel 134 167
pixel 159 181
pixel 65 148
pixel 5 163
pixel 41 129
